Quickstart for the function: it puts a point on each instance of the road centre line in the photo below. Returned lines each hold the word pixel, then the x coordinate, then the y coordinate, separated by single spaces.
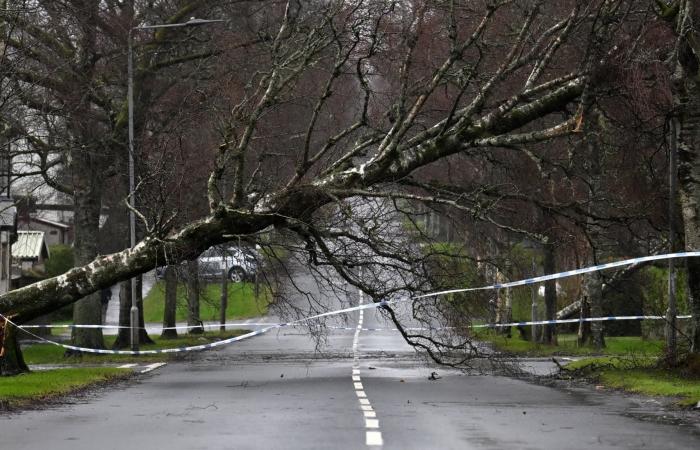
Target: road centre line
pixel 372 438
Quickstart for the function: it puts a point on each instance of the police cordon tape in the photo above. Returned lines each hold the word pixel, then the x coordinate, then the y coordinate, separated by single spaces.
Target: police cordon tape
pixel 342 311
pixel 333 327
pixel 203 346
pixel 584 319
pixel 522 324
pixel 181 327
pixel 569 273
pixel 382 303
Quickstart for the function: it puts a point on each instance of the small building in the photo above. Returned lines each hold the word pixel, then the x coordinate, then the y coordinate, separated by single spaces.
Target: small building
pixel 54 232
pixel 30 251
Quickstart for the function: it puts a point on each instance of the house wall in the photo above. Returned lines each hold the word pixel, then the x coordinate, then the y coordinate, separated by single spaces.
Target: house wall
pixel 52 235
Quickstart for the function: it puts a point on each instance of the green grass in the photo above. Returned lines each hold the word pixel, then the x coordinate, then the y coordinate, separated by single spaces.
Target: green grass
pixel 612 362
pixel 641 375
pixel 52 354
pixel 49 383
pixel 615 345
pixel 242 302
pixel 654 382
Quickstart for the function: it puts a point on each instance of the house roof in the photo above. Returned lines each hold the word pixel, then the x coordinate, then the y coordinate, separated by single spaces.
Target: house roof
pixel 50 222
pixel 30 245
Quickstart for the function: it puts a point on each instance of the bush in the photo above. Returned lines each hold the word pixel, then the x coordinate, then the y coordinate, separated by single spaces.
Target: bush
pixel 60 261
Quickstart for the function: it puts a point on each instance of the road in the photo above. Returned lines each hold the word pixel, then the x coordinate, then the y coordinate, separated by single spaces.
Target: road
pixel 278 391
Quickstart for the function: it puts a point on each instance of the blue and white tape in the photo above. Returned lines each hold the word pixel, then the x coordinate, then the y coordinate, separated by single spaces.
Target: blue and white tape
pixel 522 324
pixel 569 273
pixel 181 327
pixel 203 346
pixel 586 319
pixel 527 281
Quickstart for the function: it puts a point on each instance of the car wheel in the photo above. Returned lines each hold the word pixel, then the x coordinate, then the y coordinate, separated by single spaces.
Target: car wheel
pixel 236 274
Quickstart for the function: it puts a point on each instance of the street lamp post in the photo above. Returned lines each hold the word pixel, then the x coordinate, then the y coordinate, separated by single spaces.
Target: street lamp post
pixel 134 312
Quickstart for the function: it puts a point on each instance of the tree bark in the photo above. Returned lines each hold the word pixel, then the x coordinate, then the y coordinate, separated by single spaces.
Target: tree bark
pixel 123 335
pixel 593 286
pixel 143 334
pixel 689 171
pixel 170 307
pixel 550 295
pixel 584 328
pixel 687 106
pixel 193 319
pixel 88 310
pixel 507 316
pixel 11 359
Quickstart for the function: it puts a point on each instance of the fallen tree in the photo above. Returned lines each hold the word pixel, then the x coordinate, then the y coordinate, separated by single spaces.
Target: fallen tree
pixel 373 117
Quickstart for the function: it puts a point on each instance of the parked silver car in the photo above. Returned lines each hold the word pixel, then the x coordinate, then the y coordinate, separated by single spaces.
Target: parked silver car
pixel 239 264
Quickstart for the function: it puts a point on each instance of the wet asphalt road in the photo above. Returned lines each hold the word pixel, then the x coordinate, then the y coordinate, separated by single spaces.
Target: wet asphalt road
pixel 277 391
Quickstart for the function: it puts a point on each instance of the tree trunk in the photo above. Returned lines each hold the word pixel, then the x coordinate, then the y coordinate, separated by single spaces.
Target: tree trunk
pixel 123 335
pixel 592 282
pixel 584 328
pixel 550 296
pixel 170 307
pixel 88 310
pixel 193 320
pixel 11 359
pixel 143 334
pixel 687 104
pixel 593 286
pixel 507 316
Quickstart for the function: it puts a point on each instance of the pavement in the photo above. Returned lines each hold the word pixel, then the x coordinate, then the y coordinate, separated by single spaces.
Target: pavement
pixel 351 389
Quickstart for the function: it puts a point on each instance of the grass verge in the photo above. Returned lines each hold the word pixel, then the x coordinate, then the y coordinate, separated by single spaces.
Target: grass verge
pixel 242 302
pixel 615 345
pixel 18 390
pixel 641 376
pixel 52 354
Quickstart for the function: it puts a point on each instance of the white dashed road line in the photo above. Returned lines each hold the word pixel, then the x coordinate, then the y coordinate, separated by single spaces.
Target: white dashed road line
pixel 373 438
